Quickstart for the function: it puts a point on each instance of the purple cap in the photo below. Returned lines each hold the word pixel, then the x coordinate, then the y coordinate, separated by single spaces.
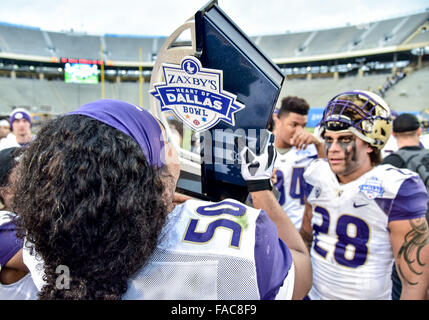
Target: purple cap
pixel 132 120
pixel 19 113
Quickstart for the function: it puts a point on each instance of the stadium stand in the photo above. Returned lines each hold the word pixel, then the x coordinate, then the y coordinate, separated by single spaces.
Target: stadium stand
pixel 317 63
pixel 319 91
pixel 412 92
pixel 62 96
pixel 422 36
pixel 126 48
pixel 75 45
pixel 376 35
pixel 280 46
pixel 22 40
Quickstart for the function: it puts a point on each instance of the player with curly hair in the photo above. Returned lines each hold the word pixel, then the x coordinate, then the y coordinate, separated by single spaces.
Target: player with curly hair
pixel 97 193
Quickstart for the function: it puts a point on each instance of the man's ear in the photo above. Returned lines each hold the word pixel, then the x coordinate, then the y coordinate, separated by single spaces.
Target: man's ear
pixel 369 149
pixel 276 120
pixel 419 131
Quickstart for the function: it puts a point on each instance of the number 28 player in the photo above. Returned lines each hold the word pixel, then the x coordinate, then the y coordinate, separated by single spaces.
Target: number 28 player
pixel 361 217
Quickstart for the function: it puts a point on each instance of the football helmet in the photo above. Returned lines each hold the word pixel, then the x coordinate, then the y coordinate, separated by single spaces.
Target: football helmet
pixel 363 113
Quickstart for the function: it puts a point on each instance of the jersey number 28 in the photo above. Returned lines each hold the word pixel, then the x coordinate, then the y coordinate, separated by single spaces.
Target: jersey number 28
pixel 355 244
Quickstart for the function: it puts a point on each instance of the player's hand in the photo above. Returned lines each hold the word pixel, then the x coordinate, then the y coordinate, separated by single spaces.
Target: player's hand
pixel 302 138
pixel 274 177
pixel 257 170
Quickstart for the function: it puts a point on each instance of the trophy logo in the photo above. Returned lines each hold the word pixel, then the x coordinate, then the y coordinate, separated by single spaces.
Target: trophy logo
pixel 195 95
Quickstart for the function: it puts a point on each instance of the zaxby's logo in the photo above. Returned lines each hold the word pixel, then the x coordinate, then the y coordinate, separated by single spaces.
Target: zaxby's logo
pixel 195 95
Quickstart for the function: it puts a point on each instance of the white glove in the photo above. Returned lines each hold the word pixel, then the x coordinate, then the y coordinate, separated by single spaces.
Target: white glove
pixel 257 170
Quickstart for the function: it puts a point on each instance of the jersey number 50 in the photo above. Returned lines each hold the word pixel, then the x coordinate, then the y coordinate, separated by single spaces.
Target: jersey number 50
pixel 214 210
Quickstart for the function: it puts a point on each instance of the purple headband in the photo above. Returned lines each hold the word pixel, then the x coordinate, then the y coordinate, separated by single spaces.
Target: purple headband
pixel 132 120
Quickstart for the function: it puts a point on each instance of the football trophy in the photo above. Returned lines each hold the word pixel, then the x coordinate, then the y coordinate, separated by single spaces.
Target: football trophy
pixel 220 85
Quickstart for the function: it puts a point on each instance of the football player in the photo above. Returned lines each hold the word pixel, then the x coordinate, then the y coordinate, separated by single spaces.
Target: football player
pixel 296 148
pixel 362 217
pixel 20 124
pixel 106 214
pixel 15 281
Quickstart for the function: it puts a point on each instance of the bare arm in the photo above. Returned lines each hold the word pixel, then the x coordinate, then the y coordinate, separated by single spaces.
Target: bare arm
pixel 410 243
pixel 14 270
pixel 287 232
pixel 306 228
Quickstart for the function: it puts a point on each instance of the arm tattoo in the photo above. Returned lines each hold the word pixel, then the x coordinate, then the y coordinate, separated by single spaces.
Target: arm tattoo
pixel 414 241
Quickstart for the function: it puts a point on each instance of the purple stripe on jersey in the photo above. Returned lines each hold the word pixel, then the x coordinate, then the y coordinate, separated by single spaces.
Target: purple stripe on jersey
pixel 307 189
pixel 410 202
pixel 384 204
pixel 273 258
pixel 10 244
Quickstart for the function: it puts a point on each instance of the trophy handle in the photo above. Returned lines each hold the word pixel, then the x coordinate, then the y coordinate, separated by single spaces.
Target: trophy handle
pixel 173 52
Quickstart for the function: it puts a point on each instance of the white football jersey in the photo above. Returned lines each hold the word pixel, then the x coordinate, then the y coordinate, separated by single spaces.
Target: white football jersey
pixel 216 251
pixel 424 140
pixel 351 252
pixel 290 168
pixel 209 251
pixel 23 289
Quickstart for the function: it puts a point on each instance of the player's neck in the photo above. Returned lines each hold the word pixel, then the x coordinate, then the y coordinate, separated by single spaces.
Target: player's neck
pixel 410 142
pixel 354 175
pixel 280 144
pixel 282 150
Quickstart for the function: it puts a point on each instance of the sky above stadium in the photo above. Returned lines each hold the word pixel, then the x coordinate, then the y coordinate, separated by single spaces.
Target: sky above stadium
pixel 162 17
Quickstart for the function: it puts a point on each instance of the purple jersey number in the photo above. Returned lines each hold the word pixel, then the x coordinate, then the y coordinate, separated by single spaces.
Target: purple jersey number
pixel 358 239
pixel 296 190
pixel 297 185
pixel 280 186
pixel 213 210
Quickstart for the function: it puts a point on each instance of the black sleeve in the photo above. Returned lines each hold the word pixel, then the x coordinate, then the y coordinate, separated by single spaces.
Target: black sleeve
pixel 394 160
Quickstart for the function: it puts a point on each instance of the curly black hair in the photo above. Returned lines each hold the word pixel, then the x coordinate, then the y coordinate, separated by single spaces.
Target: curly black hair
pixel 86 200
pixel 8 160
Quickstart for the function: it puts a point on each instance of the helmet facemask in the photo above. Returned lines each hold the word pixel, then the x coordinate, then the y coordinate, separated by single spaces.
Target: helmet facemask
pixel 360 112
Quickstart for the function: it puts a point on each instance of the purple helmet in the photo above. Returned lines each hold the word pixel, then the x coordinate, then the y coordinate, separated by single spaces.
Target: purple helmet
pixel 361 112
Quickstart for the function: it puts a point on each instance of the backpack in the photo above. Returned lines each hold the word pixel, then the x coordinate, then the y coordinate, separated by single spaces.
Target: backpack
pixel 417 161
